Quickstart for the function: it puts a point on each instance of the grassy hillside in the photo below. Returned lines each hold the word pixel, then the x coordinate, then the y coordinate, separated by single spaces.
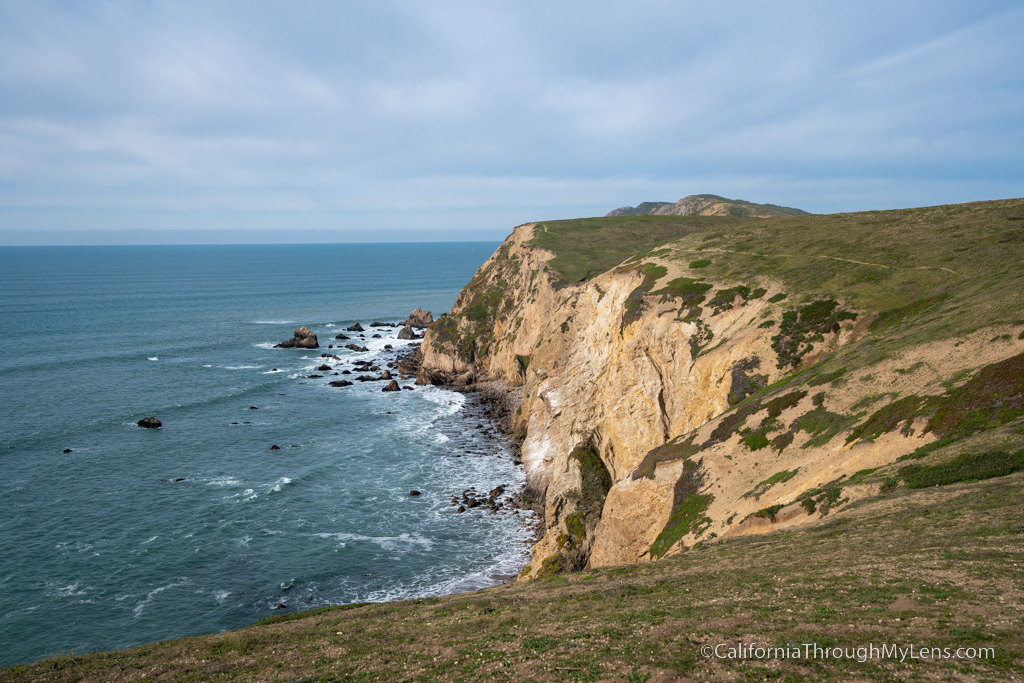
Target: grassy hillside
pixel 941 566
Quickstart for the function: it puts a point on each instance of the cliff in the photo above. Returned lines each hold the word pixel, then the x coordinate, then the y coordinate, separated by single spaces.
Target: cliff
pixel 689 378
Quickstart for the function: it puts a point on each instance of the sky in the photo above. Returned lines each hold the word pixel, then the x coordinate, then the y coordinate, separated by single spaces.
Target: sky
pixel 136 122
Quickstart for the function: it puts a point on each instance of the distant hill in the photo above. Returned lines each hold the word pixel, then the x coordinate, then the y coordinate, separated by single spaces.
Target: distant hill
pixel 708 205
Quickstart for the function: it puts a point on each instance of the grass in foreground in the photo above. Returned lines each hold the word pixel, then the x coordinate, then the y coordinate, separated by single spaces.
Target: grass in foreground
pixel 938 567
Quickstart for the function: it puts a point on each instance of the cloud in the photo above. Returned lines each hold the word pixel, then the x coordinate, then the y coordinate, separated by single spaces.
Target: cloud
pixel 491 114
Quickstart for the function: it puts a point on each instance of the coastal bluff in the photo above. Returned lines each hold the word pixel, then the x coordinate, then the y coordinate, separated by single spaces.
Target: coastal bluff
pixel 689 378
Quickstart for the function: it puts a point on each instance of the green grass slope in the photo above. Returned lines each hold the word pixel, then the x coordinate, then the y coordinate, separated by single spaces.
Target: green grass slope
pixel 939 567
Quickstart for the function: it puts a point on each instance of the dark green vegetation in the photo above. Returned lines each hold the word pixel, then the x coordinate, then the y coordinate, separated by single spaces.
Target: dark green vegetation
pixel 688 508
pixel 744 381
pixel 938 567
pixel 676 449
pixel 588 499
pixel 634 304
pixel 777 478
pixel 800 328
pixel 966 467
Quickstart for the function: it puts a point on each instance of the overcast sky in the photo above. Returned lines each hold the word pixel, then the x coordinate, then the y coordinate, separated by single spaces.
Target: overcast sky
pixel 247 120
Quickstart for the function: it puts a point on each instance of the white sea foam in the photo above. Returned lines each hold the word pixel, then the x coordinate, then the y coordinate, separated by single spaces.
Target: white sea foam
pixel 71 590
pixel 207 366
pixel 449 402
pixel 153 358
pixel 140 608
pixel 283 481
pixel 242 367
pixel 149 540
pixel 221 596
pixel 265 345
pixel 273 322
pixel 385 542
pixel 224 481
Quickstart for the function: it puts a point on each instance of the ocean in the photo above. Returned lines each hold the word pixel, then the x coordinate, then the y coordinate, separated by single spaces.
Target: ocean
pixel 136 535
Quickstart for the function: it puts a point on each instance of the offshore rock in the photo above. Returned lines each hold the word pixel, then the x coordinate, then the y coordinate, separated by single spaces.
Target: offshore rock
pixel 303 339
pixel 392 386
pixel 149 423
pixel 355 328
pixel 419 318
pixel 406 333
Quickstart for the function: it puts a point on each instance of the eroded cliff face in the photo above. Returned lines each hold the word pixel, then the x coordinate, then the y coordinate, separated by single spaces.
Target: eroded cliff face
pixel 637 437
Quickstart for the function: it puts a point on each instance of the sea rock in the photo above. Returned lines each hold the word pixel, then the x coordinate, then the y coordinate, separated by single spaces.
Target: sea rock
pixel 408 365
pixel 356 347
pixel 425 376
pixel 303 339
pixel 377 323
pixel 341 383
pixel 254 408
pixel 392 386
pixel 420 318
pixel 67 450
pixel 408 388
pixel 414 492
pixel 324 368
pixel 342 336
pixel 149 423
pixel 385 375
pixel 275 447
pixel 355 328
pixel 406 333
pixel 366 378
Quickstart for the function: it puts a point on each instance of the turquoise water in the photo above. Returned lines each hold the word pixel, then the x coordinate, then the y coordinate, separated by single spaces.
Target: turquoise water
pixel 138 535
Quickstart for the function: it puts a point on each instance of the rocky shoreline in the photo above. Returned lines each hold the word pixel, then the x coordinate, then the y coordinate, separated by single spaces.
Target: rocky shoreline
pixel 492 401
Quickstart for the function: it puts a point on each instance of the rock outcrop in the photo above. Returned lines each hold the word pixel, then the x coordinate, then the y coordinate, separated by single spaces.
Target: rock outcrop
pixel 149 423
pixel 707 205
pixel 303 339
pixel 406 333
pixel 419 318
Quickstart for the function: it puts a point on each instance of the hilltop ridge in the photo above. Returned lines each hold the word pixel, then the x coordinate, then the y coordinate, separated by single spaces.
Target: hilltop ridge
pixel 707 205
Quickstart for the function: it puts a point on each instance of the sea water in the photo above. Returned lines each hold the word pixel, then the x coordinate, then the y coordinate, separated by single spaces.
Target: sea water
pixel 138 535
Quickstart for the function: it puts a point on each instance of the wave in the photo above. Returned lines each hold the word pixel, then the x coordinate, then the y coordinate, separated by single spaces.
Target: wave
pixel 385 542
pixel 271 322
pixel 140 608
pixel 276 488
